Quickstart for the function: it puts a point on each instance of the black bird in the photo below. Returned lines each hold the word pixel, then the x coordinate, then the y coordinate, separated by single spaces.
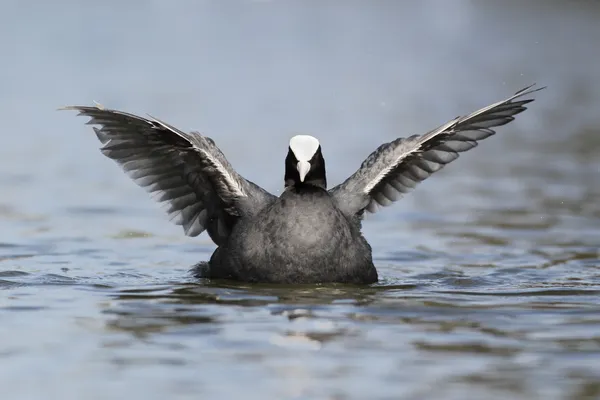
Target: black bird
pixel 306 235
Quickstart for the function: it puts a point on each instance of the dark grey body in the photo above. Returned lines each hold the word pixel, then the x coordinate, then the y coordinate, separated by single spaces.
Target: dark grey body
pixel 301 237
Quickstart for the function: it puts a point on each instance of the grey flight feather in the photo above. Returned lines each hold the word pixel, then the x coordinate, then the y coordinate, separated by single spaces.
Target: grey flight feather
pixel 185 171
pixel 395 168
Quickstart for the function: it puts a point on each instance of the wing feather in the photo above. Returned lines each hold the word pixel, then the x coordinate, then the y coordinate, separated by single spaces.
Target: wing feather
pixel 396 168
pixel 185 172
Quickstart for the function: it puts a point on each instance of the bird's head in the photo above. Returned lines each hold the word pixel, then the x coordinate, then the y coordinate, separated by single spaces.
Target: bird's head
pixel 304 163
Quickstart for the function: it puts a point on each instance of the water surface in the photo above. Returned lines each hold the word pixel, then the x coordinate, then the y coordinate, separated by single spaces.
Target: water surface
pixel 490 270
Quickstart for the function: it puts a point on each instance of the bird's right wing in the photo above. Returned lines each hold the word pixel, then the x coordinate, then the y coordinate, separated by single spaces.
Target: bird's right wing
pixel 185 171
pixel 395 168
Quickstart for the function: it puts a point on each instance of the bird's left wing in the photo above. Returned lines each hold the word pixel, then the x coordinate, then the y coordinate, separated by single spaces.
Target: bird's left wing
pixel 395 168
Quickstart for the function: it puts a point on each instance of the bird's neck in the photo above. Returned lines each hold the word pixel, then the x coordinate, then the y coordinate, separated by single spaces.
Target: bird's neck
pixel 306 186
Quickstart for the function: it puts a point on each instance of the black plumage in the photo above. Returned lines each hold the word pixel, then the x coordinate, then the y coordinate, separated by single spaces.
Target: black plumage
pixel 306 235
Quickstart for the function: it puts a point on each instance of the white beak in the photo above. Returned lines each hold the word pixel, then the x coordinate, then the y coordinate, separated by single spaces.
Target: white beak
pixel 303 168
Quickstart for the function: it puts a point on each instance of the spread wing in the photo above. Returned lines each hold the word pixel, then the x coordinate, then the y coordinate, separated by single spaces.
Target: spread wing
pixel 395 168
pixel 184 171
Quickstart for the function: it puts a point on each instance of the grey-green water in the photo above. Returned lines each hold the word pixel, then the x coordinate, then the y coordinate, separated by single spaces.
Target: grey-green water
pixel 490 270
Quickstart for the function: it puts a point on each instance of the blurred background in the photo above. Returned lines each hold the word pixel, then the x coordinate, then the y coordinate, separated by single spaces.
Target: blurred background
pixel 489 270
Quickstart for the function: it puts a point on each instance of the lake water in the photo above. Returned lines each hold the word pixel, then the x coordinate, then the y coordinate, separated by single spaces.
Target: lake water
pixel 490 270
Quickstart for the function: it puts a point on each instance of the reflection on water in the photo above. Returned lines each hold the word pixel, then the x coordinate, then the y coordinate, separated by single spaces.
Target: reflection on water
pixel 490 270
